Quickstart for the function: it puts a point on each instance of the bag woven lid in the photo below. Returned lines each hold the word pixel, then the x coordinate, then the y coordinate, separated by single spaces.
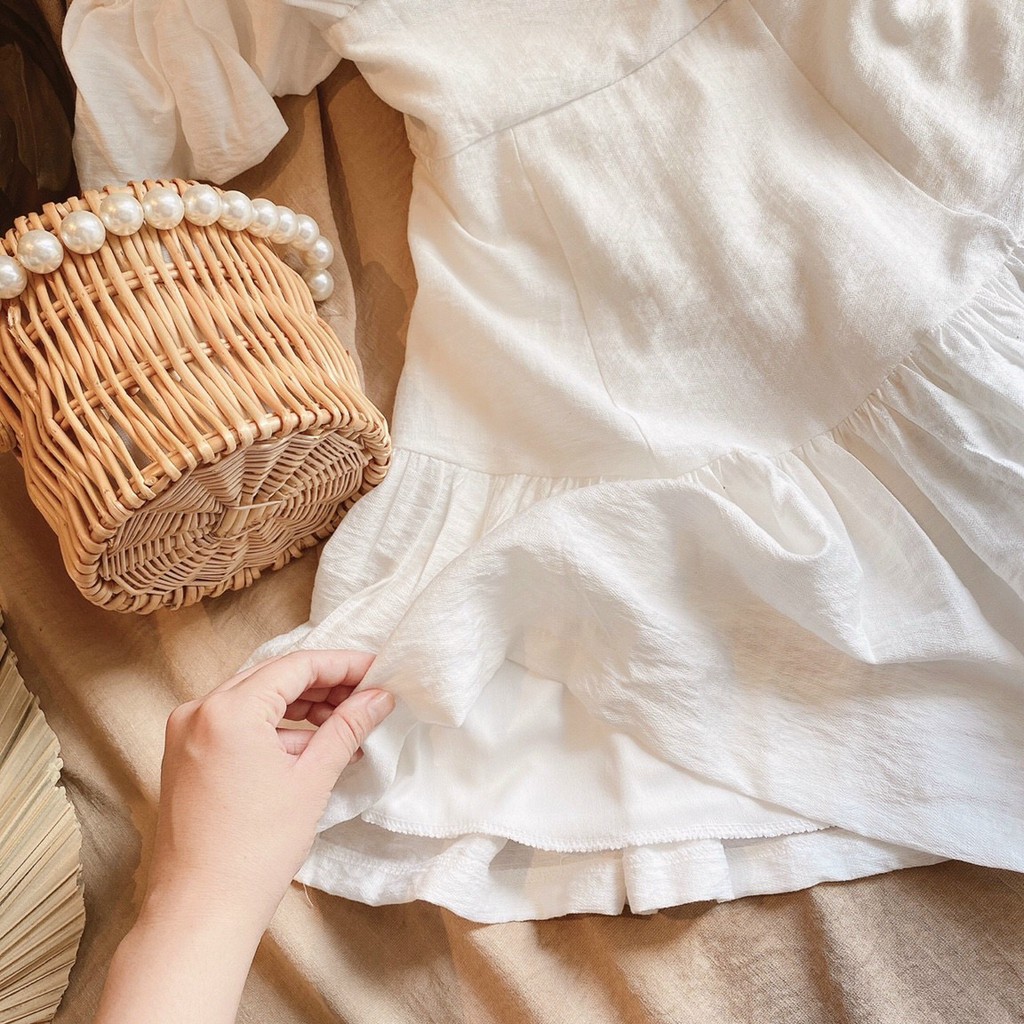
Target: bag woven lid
pixel 184 417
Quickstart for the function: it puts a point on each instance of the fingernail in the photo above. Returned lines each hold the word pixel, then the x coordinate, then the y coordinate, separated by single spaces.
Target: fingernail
pixel 381 705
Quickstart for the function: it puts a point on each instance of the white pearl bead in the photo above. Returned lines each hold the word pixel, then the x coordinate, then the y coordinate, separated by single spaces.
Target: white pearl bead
pixel 163 207
pixel 13 278
pixel 287 226
pixel 236 214
pixel 320 283
pixel 307 231
pixel 264 218
pixel 320 254
pixel 40 251
pixel 82 232
pixel 121 214
pixel 202 205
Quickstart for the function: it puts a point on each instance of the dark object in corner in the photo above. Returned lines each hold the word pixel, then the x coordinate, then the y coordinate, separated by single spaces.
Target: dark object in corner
pixel 37 104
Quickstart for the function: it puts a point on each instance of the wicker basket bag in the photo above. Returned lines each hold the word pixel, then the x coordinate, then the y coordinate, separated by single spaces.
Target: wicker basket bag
pixel 184 418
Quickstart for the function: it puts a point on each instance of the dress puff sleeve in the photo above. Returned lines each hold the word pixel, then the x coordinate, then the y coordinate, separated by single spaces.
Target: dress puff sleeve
pixel 184 88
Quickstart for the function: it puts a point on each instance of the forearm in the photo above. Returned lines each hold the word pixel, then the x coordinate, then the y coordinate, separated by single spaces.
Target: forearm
pixel 176 965
pixel 240 799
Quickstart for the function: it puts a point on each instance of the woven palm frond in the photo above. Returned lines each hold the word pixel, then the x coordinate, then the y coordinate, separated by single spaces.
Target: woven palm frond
pixel 42 910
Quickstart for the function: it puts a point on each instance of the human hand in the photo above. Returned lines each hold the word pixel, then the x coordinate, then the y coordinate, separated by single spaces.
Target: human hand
pixel 240 797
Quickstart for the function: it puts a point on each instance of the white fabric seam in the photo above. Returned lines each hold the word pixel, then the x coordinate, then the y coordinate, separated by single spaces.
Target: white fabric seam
pixel 433 160
pixel 700 833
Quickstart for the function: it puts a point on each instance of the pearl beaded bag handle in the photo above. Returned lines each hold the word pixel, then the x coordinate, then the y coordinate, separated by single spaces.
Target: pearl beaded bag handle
pixel 39 251
pixel 185 418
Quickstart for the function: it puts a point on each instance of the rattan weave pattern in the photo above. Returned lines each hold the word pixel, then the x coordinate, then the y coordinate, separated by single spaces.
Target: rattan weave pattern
pixel 184 417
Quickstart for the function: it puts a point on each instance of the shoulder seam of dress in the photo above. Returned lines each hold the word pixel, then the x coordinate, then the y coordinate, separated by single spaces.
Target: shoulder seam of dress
pixel 434 160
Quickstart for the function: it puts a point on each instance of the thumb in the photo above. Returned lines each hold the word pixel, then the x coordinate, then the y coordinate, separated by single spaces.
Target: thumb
pixel 331 747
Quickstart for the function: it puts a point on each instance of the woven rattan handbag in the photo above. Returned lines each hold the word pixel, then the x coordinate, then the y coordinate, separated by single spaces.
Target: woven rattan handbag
pixel 184 418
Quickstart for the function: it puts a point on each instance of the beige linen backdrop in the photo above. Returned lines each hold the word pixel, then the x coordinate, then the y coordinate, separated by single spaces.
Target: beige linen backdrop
pixel 943 943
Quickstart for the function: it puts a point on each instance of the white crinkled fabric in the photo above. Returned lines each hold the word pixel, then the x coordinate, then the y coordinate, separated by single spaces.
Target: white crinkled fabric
pixel 699 570
pixel 184 88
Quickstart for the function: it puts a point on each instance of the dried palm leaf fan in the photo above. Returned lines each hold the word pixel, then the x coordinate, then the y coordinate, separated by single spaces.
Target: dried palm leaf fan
pixel 42 911
pixel 185 419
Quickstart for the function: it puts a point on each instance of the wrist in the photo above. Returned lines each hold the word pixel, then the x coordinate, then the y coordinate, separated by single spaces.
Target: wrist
pixel 178 963
pixel 209 915
pixel 238 890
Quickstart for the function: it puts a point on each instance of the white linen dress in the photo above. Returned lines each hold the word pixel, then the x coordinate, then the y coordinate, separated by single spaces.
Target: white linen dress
pixel 700 569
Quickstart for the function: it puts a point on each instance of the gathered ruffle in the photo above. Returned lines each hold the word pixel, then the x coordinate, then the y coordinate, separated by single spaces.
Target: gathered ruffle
pixel 491 879
pixel 805 665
